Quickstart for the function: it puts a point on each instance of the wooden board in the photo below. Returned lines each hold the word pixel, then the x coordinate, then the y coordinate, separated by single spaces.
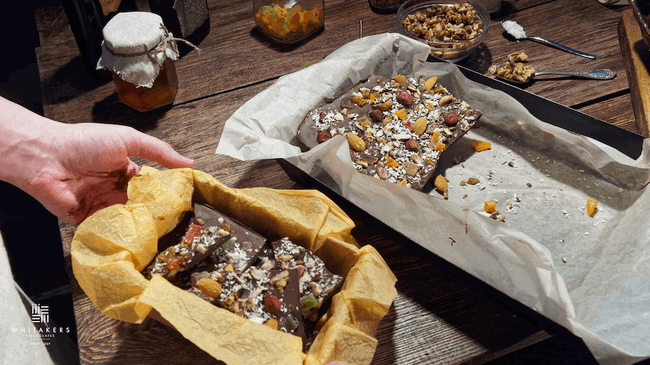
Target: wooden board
pixel 637 60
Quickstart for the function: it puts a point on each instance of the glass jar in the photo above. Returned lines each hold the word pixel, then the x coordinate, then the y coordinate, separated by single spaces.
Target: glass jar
pixel 140 53
pixel 289 21
pixel 162 92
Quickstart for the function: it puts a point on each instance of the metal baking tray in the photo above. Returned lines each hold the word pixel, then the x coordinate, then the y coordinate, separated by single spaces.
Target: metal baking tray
pixel 628 143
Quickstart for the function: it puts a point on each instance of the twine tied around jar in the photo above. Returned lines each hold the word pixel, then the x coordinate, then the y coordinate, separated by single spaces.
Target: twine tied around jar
pixel 168 40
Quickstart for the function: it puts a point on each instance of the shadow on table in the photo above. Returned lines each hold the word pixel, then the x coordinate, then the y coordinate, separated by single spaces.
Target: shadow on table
pixel 70 81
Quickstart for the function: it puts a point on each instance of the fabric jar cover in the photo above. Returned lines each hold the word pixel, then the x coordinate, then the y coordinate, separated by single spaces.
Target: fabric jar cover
pixel 135 46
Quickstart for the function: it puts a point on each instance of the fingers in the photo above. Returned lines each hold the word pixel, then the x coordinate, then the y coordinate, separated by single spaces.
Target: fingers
pixel 153 149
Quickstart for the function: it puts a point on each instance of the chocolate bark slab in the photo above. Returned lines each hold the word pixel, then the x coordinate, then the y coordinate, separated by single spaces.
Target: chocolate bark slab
pixel 317 283
pixel 396 127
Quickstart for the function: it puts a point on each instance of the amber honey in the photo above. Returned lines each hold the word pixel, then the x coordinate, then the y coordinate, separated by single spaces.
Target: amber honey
pixel 161 93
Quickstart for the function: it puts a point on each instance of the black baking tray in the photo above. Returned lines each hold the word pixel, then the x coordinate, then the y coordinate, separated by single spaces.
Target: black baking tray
pixel 628 143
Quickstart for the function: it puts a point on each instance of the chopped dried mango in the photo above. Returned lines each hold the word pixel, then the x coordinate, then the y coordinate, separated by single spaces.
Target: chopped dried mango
pixel 401 114
pixel 390 162
pixel 481 145
pixel 592 206
pixel 440 147
pixel 400 79
pixel 489 206
pixel 435 138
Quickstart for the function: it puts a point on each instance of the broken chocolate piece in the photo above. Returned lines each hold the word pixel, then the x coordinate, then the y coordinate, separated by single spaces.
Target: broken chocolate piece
pixel 317 283
pixel 196 245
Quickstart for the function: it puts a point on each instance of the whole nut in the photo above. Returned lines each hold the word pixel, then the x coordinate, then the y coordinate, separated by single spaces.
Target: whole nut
pixel 210 287
pixel 272 304
pixel 420 126
pixel 376 115
pixel 301 270
pixel 382 172
pixel 356 143
pixel 323 136
pixel 445 100
pixel 451 119
pixel 405 98
pixel 428 85
pixel 412 145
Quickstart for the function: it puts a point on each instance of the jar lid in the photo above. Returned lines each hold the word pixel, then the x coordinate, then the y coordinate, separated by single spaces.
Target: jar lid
pixel 135 46
pixel 133 33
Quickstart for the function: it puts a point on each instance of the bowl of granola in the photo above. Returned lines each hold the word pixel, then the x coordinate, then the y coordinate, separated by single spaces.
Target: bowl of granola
pixel 452 28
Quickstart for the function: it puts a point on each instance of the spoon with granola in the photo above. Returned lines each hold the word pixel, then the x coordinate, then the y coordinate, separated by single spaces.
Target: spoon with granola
pixel 516 71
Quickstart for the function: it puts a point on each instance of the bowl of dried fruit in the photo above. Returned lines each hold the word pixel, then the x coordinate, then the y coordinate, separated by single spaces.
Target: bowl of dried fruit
pixel 452 28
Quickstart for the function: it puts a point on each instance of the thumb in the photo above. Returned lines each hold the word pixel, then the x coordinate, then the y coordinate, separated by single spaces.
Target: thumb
pixel 153 149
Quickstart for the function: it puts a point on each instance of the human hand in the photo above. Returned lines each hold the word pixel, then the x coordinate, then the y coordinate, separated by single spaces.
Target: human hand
pixel 75 170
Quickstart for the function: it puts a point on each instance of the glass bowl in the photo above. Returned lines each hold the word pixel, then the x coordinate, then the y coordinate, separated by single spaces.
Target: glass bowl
pixel 289 21
pixel 453 45
pixel 386 5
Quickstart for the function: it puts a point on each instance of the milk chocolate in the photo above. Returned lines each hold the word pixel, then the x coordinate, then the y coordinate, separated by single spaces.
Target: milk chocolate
pixel 399 126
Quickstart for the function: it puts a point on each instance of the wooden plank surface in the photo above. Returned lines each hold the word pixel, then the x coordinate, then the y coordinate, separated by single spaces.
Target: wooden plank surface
pixel 637 59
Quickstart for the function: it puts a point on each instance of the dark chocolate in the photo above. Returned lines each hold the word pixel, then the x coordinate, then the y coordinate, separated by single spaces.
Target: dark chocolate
pixel 197 243
pixel 317 283
pixel 383 113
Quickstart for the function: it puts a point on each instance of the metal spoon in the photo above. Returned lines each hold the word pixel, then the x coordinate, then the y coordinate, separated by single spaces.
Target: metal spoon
pixel 518 32
pixel 600 74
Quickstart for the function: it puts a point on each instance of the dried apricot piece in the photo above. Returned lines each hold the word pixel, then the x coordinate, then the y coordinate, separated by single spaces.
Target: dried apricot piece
pixel 401 114
pixel 390 162
pixel 481 145
pixel 441 183
pixel 592 206
pixel 400 79
pixel 489 206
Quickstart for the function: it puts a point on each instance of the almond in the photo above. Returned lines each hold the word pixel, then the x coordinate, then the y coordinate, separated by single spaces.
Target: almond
pixel 445 100
pixel 430 83
pixel 420 126
pixel 356 143
pixel 210 287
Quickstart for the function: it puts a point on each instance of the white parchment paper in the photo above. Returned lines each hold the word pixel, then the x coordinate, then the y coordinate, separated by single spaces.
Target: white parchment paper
pixel 589 274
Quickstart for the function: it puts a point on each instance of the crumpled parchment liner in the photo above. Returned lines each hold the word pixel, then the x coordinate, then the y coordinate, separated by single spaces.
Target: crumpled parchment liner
pixel 113 245
pixel 599 294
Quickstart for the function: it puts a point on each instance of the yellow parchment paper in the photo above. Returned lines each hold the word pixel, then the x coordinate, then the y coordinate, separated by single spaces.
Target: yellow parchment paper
pixel 111 247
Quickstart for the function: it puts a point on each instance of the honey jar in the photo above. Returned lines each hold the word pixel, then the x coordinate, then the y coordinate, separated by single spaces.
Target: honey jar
pixel 140 52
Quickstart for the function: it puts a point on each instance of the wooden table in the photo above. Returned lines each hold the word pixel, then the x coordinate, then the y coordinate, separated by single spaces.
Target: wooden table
pixel 439 317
